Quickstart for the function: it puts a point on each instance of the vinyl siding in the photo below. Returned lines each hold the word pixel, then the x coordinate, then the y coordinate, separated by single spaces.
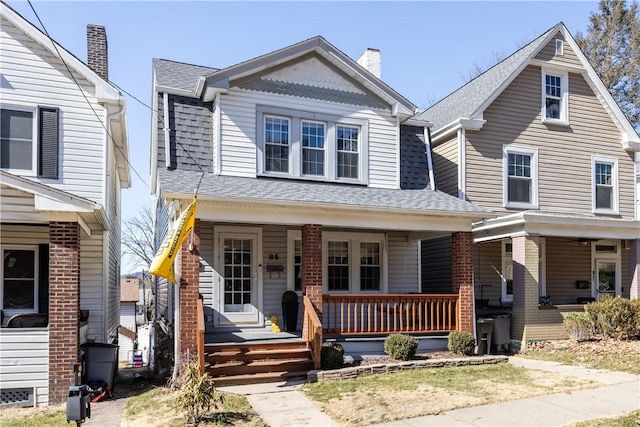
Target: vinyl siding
pixel 34 77
pixel 215 128
pixel 113 280
pixel 567 261
pixel 402 264
pixel 564 152
pixel 445 165
pixel 274 241
pixel 160 229
pixel 13 200
pixel 92 292
pixel 127 320
pixel 238 125
pixel 436 265
pixel 548 53
pixel 486 257
pixel 207 274
pixel 24 361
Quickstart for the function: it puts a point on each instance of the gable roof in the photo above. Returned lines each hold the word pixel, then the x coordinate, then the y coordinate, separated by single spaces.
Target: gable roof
pixel 469 101
pixel 205 82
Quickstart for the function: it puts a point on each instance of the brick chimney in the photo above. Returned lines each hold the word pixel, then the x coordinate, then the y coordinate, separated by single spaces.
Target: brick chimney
pixel 371 60
pixel 97 58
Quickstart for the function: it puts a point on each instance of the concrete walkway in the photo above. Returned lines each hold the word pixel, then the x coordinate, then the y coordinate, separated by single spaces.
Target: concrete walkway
pixel 282 404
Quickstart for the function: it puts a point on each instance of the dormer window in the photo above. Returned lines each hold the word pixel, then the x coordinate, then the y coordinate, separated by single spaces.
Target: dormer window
pixel 311 146
pixel 555 103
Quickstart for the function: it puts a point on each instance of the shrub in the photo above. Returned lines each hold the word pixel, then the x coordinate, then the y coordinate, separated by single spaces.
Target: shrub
pixel 198 394
pixel 331 356
pixel 461 343
pixel 400 346
pixel 578 325
pixel 617 318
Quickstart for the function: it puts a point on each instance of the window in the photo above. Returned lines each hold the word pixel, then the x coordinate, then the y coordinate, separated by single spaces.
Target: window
pixel 338 266
pixel 370 266
pixel 347 152
pixel 311 146
pixel 19 280
pixel 605 185
pixel 520 177
pixel 507 271
pixel 554 97
pixel 29 141
pixel 559 47
pixel 276 141
pixel 352 262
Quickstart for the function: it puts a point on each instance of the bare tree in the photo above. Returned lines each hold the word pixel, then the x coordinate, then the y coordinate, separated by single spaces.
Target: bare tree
pixel 478 68
pixel 137 237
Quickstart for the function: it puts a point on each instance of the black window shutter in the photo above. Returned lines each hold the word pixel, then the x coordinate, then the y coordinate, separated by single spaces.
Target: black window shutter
pixel 48 143
pixel 43 278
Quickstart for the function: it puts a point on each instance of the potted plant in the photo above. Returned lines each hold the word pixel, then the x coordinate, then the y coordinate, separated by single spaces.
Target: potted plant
pixel 290 311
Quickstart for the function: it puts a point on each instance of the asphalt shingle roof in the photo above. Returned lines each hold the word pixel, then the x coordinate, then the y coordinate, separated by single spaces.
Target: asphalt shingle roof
pixel 179 75
pixel 466 100
pixel 286 190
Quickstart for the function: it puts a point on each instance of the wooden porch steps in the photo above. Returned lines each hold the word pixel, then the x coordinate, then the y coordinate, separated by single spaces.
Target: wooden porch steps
pixel 257 362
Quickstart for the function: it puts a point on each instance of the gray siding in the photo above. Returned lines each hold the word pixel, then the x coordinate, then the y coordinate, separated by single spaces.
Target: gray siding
pixel 564 152
pixel 567 261
pixel 486 257
pixel 548 53
pixel 436 265
pixel 24 361
pixel 191 124
pixel 402 263
pixel 207 288
pixel 445 165
pixel 274 241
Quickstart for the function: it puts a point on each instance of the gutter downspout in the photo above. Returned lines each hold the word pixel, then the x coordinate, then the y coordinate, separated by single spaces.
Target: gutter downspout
pixel 462 166
pixel 427 141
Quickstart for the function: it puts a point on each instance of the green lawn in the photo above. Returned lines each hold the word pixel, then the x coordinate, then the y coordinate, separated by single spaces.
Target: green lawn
pixel 629 420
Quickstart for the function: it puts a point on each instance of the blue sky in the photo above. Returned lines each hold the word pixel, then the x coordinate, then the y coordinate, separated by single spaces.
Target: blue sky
pixel 427 47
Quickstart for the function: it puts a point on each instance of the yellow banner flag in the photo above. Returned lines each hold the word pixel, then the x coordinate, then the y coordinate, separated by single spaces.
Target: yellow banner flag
pixel 162 264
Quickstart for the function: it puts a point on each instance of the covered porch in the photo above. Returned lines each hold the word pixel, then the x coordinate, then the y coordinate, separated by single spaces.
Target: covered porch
pixel 540 266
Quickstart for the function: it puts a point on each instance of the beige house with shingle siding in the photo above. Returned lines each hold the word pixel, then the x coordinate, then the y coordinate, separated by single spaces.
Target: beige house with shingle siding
pixel 540 141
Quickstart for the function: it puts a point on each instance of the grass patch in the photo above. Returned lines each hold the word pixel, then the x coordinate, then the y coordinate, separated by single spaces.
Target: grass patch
pixel 606 354
pixel 399 395
pixel 630 420
pixel 52 419
pixel 156 406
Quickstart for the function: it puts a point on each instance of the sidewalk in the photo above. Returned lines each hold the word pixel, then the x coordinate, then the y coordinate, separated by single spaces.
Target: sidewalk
pixel 283 405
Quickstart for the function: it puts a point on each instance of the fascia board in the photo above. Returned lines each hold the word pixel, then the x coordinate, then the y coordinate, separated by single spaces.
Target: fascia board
pixel 461 123
pixel 630 137
pixel 175 91
pixel 104 92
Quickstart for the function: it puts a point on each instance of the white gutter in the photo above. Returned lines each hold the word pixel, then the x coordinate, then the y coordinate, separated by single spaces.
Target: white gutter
pixel 167 129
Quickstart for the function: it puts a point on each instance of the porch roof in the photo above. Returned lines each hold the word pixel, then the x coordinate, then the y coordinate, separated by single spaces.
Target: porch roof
pixel 180 183
pixel 557 224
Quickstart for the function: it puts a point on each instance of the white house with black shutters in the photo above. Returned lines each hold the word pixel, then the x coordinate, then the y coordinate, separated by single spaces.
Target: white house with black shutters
pixel 63 161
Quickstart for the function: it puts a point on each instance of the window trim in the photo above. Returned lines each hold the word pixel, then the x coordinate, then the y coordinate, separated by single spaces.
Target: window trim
pixel 613 161
pixel 564 97
pixel 264 121
pixel 354 239
pixel 295 144
pixel 559 47
pixel 35 138
pixel 324 149
pixel 36 273
pixel 533 152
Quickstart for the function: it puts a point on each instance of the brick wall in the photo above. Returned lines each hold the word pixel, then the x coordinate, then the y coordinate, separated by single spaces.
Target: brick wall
pixel 189 291
pixel 97 58
pixel 462 277
pixel 64 307
pixel 312 267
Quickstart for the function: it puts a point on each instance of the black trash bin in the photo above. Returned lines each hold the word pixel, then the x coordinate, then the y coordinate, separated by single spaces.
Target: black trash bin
pixel 501 339
pixel 100 362
pixel 484 330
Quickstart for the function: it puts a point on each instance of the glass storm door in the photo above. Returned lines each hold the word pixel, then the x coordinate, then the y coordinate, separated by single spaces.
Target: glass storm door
pixel 605 277
pixel 238 269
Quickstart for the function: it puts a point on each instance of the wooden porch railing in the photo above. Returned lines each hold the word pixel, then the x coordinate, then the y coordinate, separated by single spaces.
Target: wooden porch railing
pixel 359 314
pixel 312 334
pixel 200 334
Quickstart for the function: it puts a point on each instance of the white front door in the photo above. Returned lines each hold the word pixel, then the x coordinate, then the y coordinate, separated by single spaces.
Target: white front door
pixel 239 279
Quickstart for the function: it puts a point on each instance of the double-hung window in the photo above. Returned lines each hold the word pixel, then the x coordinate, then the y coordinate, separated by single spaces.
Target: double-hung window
pixel 520 177
pixel 605 184
pixel 312 146
pixel 276 144
pixel 29 141
pixel 555 104
pixel 352 262
pixel 19 279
